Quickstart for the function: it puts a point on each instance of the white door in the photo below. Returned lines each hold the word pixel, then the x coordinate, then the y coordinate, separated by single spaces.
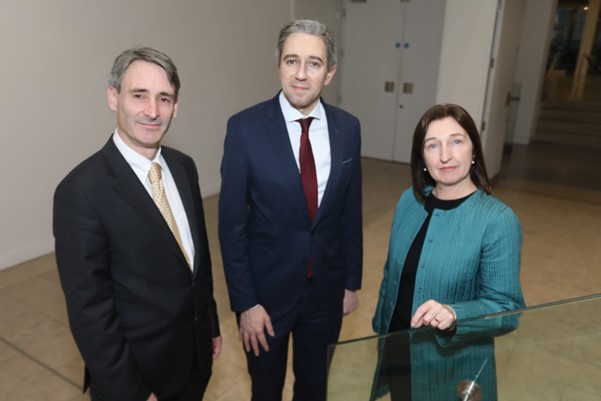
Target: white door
pixel 418 78
pixel 371 41
pixel 506 40
pixel 389 69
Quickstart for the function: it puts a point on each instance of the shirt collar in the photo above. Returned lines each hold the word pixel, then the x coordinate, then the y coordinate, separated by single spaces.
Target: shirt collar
pixel 291 114
pixel 139 163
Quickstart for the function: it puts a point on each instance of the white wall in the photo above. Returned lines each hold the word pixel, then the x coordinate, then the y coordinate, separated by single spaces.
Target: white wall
pixel 501 80
pixel 469 30
pixel 466 48
pixel 532 59
pixel 56 56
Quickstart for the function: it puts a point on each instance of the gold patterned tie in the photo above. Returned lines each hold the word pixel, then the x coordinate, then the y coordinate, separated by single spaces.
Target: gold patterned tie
pixel 160 198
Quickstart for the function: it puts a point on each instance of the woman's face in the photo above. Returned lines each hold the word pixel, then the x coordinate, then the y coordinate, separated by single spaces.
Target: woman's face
pixel 448 154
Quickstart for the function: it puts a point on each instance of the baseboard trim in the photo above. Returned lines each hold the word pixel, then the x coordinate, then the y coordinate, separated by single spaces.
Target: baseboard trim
pixel 32 251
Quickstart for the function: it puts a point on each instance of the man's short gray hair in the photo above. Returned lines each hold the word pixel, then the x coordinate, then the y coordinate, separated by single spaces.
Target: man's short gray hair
pixel 310 27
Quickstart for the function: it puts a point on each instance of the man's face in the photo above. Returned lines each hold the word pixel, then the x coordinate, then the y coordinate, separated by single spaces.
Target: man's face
pixel 145 107
pixel 303 70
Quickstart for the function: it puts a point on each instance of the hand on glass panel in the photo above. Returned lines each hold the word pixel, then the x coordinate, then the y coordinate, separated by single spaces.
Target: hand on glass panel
pixel 435 314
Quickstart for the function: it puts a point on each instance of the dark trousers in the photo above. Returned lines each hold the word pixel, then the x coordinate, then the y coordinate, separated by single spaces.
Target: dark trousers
pixel 193 391
pixel 396 366
pixel 312 330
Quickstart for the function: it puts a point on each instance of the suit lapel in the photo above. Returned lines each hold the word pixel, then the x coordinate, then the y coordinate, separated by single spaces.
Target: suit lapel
pixel 336 149
pixel 127 184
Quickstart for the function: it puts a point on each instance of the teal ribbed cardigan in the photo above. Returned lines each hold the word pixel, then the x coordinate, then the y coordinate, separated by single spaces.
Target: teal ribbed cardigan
pixel 470 260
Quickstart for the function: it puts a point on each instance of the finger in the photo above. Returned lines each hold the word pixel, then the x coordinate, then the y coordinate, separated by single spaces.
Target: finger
pixel 269 327
pixel 417 320
pixel 444 325
pixel 431 319
pixel 254 344
pixel 246 340
pixel 217 343
pixel 351 306
pixel 421 311
pixel 263 341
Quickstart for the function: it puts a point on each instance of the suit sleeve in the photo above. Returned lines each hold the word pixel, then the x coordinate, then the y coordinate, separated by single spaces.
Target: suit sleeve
pixel 499 269
pixel 83 259
pixel 500 288
pixel 233 219
pixel 206 261
pixel 352 226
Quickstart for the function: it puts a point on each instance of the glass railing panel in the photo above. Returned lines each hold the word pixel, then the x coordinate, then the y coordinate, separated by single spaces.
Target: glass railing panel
pixel 548 352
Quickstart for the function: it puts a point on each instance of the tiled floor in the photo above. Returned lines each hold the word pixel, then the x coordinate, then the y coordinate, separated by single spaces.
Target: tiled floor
pixel 556 194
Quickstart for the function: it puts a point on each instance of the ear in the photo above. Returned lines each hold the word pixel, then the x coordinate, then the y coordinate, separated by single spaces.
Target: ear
pixel 330 75
pixel 175 106
pixel 112 97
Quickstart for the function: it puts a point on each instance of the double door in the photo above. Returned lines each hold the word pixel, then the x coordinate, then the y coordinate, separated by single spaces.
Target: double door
pixel 389 69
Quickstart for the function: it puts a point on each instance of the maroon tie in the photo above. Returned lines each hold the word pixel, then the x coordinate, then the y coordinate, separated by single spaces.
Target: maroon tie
pixel 308 175
pixel 307 168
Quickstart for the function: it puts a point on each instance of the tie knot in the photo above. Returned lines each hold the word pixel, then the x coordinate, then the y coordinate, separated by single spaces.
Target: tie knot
pixel 154 175
pixel 305 123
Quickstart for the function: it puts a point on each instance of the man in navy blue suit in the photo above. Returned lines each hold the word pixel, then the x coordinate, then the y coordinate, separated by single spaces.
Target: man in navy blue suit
pixel 290 219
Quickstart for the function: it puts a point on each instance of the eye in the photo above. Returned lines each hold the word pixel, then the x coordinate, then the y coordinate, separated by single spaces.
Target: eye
pixel 457 141
pixel 290 62
pixel 431 146
pixel 314 64
pixel 165 100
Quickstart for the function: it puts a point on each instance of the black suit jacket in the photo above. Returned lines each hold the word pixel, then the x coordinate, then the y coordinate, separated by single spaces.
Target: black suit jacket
pixel 265 231
pixel 138 313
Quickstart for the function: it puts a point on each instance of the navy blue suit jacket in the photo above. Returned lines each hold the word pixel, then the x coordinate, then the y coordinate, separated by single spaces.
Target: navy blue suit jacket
pixel 138 314
pixel 265 230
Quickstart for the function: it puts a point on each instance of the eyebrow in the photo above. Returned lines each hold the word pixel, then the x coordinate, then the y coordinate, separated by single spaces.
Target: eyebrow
pixel 454 134
pixel 145 91
pixel 287 56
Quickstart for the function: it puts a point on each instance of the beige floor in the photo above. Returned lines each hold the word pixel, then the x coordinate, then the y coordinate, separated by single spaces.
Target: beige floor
pixel 561 221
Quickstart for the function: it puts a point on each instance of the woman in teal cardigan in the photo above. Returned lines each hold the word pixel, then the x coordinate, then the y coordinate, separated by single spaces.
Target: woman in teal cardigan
pixel 454 254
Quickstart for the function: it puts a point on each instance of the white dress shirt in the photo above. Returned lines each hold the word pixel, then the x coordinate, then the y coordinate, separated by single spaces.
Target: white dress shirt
pixel 141 166
pixel 318 136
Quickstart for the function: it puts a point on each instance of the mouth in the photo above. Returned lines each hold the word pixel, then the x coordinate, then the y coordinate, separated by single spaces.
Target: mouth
pixel 150 125
pixel 299 88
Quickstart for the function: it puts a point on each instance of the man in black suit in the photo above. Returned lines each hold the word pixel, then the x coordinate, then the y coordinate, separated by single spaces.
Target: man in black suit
pixel 290 219
pixel 137 274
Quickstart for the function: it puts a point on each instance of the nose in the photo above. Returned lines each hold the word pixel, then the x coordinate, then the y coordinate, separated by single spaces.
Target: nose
pixel 445 153
pixel 301 71
pixel 152 109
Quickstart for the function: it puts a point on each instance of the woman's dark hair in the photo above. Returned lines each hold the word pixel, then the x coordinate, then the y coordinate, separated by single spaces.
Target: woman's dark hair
pixel 422 178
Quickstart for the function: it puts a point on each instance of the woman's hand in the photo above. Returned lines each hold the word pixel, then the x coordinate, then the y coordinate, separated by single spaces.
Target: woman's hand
pixel 435 314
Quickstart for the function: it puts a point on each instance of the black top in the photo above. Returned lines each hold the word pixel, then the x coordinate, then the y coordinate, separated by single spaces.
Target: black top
pixel 401 318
